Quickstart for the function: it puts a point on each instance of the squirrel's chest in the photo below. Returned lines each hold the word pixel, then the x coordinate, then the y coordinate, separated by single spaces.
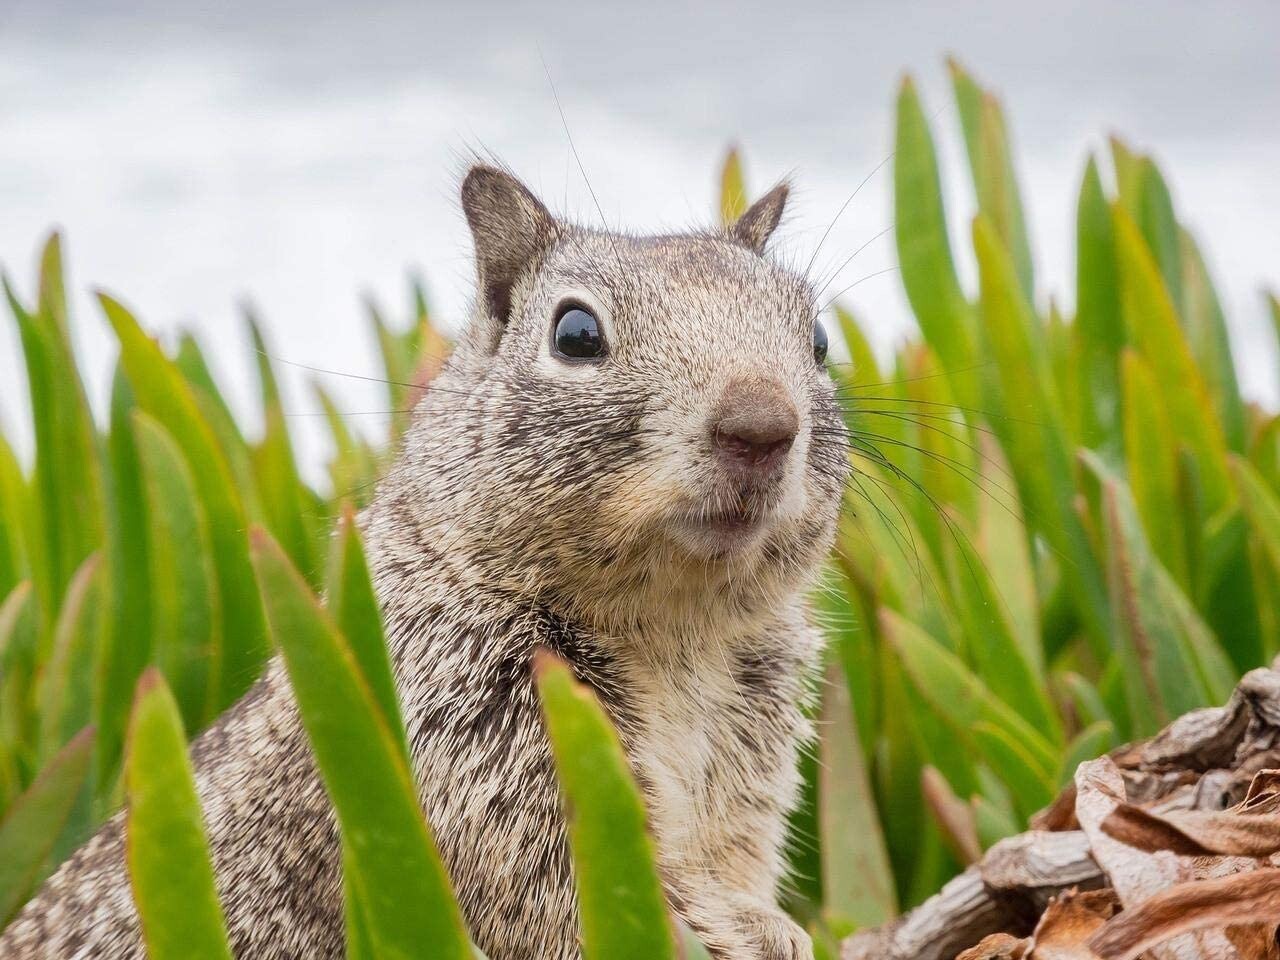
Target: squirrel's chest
pixel 706 738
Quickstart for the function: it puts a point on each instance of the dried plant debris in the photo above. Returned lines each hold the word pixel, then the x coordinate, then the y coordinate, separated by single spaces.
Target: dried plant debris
pixel 1168 849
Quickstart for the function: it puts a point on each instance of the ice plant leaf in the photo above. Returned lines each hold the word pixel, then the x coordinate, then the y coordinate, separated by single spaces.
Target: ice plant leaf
pixel 166 848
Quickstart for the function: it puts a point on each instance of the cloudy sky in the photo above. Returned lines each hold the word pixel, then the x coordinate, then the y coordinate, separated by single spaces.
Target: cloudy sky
pixel 300 155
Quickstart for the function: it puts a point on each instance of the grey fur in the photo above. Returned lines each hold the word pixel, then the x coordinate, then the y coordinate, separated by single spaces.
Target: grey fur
pixel 540 502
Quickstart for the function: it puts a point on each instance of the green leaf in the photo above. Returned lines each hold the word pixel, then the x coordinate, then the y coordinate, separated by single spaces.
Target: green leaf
pixel 187 638
pixel 1090 743
pixel 1207 331
pixel 404 892
pixel 1162 677
pixel 1035 438
pixel 1153 464
pixel 622 908
pixel 857 881
pixel 164 394
pixel 284 499
pixel 1099 324
pixel 1261 506
pixel 995 183
pixel 863 370
pixel 66 683
pixel 354 607
pixel 32 824
pixel 965 703
pixel 733 188
pixel 924 251
pixel 353 471
pixel 166 847
pixel 996 653
pixel 68 471
pixel 1153 327
pixel 14 512
pixel 1009 758
pixel 998 195
pixel 126 644
pixel 1159 227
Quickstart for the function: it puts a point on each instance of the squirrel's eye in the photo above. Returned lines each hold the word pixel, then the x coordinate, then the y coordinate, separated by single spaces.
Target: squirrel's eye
pixel 577 334
pixel 819 341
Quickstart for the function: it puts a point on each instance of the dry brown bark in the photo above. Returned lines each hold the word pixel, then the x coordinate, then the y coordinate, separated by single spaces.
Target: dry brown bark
pixel 1168 849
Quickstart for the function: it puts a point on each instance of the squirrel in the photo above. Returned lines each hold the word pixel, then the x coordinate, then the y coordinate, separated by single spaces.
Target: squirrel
pixel 634 457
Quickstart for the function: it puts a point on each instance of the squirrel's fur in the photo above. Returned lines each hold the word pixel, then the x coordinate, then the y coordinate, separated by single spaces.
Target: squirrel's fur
pixel 539 502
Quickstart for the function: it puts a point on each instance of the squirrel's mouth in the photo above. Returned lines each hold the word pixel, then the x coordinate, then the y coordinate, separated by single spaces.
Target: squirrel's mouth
pixel 722 530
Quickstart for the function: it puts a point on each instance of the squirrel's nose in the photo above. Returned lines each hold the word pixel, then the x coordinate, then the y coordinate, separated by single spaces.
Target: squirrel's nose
pixel 754 426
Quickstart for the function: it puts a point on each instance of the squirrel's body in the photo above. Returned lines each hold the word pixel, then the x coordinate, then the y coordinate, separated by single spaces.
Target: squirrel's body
pixel 654 517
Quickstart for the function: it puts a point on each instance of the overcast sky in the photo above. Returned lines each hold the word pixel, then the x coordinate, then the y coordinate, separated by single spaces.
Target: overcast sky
pixel 301 154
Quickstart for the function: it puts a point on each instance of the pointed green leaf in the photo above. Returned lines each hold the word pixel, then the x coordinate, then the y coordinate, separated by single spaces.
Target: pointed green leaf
pixel 1207 331
pixel 1035 438
pixel 126 644
pixel 31 825
pixel 66 682
pixel 284 499
pixel 162 392
pixel 186 620
pixel 1099 323
pixel 166 847
pixel 924 251
pixel 404 893
pixel 623 911
pixel 1152 322
pixel 354 608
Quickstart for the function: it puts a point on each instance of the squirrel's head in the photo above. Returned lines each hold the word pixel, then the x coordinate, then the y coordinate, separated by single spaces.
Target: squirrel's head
pixel 631 424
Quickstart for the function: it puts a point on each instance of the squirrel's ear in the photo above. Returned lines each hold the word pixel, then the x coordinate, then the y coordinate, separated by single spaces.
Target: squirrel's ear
pixel 511 229
pixel 754 227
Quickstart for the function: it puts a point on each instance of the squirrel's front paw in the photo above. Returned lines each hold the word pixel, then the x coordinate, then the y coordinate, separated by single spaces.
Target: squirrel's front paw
pixel 779 937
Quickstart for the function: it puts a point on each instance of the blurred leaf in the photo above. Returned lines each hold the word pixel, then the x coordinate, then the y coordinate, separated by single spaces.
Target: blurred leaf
pixel 162 392
pixel 1152 464
pixel 187 639
pixel 1020 754
pixel 405 895
pixel 863 371
pixel 66 682
pixel 354 467
pixel 733 188
pixel 857 882
pixel 1261 506
pixel 68 471
pixel 1162 674
pixel 1033 427
pixel 924 251
pixel 953 816
pixel 1159 227
pixel 1099 324
pixel 13 513
pixel 1153 327
pixel 622 907
pixel 167 851
pixel 126 643
pixel 279 484
pixel 32 824
pixel 1003 546
pixel 1093 741
pixel 996 654
pixel 990 162
pixel 1207 332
